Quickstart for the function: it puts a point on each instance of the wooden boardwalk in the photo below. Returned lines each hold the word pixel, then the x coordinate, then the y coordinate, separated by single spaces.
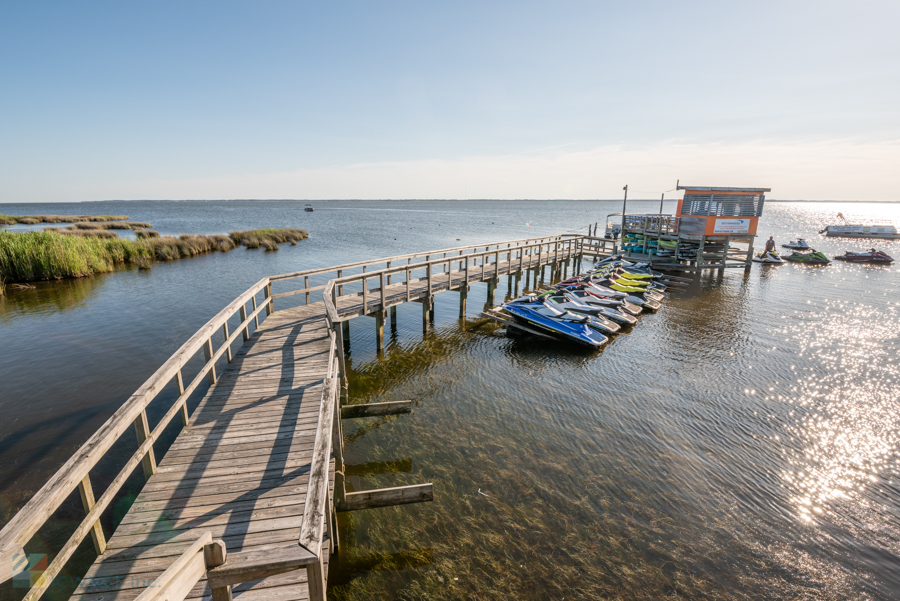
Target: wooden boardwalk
pixel 257 471
pixel 240 468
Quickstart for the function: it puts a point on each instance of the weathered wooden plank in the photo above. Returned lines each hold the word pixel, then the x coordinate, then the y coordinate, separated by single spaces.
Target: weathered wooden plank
pixel 376 409
pixel 386 497
pixel 253 565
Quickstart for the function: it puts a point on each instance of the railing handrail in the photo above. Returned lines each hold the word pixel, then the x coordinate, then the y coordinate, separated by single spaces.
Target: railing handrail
pixel 432 262
pixel 76 471
pixel 320 270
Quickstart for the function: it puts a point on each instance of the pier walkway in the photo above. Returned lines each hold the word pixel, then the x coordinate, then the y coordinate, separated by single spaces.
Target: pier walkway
pixel 242 503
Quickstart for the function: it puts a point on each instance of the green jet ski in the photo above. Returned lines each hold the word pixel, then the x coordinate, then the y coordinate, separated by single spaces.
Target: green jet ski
pixel 811 258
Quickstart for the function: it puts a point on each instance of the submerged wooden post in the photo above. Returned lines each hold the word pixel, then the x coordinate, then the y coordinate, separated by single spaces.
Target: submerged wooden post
pixel 749 262
pixel 394 317
pixel 379 330
pixel 426 312
pixel 491 288
pixel 463 295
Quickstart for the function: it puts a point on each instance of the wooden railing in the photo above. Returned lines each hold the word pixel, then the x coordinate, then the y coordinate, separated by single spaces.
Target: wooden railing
pixel 659 224
pixel 481 264
pixel 75 473
pixel 413 260
pixel 316 523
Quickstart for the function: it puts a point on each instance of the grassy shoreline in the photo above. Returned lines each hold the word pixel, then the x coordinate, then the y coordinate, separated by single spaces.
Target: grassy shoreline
pixel 50 255
pixel 33 219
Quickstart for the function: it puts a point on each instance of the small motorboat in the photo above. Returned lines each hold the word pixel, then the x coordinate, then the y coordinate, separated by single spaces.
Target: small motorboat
pixel 562 325
pixel 871 256
pixel 308 208
pixel 770 257
pixel 810 258
pixel 800 244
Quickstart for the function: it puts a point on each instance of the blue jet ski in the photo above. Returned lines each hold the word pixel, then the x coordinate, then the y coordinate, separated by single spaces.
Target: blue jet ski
pixel 559 324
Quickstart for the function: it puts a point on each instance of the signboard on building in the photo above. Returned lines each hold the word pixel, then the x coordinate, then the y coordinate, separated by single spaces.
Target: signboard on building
pixel 732 226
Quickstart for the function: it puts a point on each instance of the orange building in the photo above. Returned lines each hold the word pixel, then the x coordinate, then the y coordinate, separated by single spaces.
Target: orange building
pixel 707 211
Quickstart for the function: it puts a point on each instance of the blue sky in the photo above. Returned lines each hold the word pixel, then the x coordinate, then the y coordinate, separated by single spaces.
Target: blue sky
pixel 127 100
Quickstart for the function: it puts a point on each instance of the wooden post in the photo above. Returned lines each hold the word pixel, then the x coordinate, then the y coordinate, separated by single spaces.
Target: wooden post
pixel 306 285
pixel 407 284
pixel 426 312
pixel 345 330
pixel 246 332
pixel 725 254
pixel 389 276
pixel 142 429
pixel 491 288
pixel 179 381
pixel 228 348
pixel 700 253
pixel 340 289
pixel 394 317
pixel 214 555
pixel 379 330
pixel 339 351
pixel 381 286
pixel 87 501
pixel 208 353
pixel 315 577
pixel 428 275
pixel 365 296
pixel 749 262
pixel 270 302
pixel 256 316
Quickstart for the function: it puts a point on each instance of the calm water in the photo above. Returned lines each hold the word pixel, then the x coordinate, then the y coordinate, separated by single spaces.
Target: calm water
pixel 740 443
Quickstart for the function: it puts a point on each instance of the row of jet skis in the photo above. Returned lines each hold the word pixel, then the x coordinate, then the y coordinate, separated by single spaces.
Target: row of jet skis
pixel 587 308
pixel 803 253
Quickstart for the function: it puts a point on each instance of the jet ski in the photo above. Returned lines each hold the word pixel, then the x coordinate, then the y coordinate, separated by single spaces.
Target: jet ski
pixel 631 290
pixel 560 301
pixel 813 258
pixel 559 324
pixel 800 244
pixel 606 311
pixel 872 256
pixel 771 257
pixel 599 293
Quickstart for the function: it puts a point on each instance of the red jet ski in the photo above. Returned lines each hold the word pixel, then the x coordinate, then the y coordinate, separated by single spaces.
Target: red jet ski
pixel 872 256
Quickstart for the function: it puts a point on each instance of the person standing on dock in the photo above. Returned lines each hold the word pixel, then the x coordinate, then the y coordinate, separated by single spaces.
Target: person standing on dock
pixel 770 245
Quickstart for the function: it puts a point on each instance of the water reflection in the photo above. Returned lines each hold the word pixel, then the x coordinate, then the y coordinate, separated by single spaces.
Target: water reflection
pixel 49 297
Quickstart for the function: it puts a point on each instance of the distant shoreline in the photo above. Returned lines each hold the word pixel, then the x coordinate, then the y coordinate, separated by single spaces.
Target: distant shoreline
pixel 305 200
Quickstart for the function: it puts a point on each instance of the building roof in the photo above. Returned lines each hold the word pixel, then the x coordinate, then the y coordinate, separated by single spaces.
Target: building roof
pixel 718 189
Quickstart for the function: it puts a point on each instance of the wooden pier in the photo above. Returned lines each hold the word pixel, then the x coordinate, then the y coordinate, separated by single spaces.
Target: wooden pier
pixel 242 503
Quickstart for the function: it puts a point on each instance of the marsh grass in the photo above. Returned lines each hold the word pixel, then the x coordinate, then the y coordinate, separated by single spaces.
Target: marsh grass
pixel 33 219
pixel 110 225
pixel 96 233
pixel 268 238
pixel 50 255
pixel 144 233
